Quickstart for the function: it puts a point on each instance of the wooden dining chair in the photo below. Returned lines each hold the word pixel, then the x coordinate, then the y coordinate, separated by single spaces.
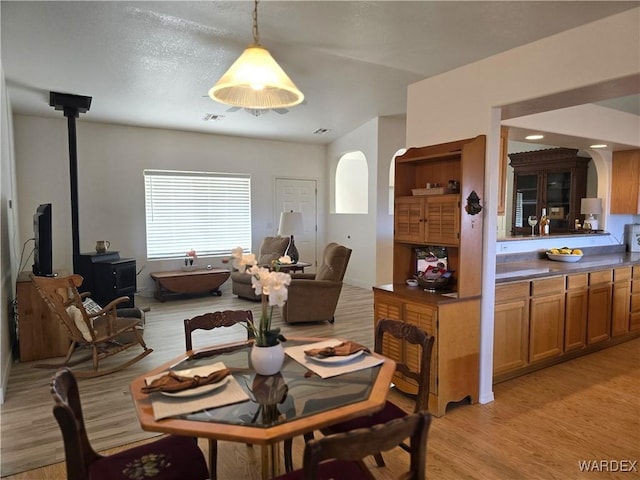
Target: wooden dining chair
pixel 210 321
pixel 170 458
pixel 104 333
pixel 401 335
pixel 345 451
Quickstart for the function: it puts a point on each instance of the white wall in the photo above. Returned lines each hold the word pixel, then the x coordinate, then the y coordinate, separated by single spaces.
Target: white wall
pixel 369 235
pixel 391 137
pixel 356 231
pixel 9 248
pixel 111 159
pixel 467 101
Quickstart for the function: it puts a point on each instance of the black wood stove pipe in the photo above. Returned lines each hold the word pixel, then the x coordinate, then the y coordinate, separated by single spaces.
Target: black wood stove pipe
pixel 72 106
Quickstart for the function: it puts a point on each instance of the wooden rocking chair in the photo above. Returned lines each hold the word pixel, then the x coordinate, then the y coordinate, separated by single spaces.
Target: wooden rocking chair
pixel 102 332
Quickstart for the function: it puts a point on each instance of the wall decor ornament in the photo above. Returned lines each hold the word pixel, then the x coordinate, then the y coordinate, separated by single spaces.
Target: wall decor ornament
pixel 473 206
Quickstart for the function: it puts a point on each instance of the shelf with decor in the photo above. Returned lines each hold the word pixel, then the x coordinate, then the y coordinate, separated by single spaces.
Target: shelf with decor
pixel 448 222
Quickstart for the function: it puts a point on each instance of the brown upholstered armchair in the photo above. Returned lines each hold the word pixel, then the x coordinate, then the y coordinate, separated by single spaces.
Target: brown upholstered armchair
pixel 314 297
pixel 272 248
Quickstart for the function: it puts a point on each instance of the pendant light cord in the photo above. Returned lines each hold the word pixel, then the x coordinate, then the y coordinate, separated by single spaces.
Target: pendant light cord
pixel 256 33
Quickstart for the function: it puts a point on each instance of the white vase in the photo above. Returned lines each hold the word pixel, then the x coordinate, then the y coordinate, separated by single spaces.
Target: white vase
pixel 267 360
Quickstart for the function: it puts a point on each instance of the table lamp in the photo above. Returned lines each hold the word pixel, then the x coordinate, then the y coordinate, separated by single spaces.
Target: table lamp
pixel 290 225
pixel 590 207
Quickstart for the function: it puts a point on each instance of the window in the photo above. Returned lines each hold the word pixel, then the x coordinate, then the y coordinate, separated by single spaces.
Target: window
pixel 207 212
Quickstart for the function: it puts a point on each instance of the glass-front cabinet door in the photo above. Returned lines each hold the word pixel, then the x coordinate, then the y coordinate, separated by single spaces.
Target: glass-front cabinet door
pixel 525 202
pixel 555 179
pixel 557 198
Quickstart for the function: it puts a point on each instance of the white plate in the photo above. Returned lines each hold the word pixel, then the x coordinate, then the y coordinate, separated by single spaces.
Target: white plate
pixel 564 258
pixel 194 392
pixel 337 358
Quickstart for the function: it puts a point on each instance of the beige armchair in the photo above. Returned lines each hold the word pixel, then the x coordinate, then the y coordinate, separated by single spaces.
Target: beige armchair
pixel 272 248
pixel 314 297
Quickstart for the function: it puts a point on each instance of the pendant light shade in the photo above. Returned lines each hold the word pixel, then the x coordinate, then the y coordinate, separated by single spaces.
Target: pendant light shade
pixel 255 80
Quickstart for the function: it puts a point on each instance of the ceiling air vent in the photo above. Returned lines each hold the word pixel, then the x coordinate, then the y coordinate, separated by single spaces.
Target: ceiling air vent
pixel 210 117
pixel 321 131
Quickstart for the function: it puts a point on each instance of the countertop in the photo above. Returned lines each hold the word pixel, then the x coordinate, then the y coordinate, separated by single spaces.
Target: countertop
pixel 537 268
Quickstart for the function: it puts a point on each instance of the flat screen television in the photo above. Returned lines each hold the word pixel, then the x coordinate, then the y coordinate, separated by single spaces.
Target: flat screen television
pixel 43 252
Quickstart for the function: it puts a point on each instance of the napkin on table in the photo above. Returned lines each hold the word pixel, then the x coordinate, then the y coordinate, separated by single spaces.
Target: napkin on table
pixel 341 350
pixel 172 382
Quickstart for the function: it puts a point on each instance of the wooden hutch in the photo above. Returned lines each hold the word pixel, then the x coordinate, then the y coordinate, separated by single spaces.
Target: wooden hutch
pixel 452 316
pixel 555 179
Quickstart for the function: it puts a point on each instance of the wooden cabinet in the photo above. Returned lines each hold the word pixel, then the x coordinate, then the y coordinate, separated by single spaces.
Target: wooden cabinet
pixel 599 315
pixel 425 317
pixel 40 334
pixel 555 179
pixel 634 320
pixel 544 321
pixel 576 310
pixel 456 351
pixel 621 301
pixel 511 327
pixel 502 170
pixel 546 330
pixel 625 182
pixel 432 220
pixel 440 219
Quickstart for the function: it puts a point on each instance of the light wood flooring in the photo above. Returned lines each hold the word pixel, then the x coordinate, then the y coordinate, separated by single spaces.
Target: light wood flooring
pixel 540 426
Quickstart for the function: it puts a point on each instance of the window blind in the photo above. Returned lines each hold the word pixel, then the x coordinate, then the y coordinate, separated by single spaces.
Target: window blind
pixel 207 212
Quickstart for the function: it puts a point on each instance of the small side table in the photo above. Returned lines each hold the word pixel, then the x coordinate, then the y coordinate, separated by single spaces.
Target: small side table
pixel 294 267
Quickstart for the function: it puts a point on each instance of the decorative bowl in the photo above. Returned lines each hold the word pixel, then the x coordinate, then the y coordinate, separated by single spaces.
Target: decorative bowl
pixel 563 257
pixel 437 283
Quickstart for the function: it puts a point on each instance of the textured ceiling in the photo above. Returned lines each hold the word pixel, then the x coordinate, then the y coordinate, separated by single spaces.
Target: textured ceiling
pixel 152 63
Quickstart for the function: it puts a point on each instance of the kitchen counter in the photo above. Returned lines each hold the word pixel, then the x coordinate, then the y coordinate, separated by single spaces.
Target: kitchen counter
pixel 543 267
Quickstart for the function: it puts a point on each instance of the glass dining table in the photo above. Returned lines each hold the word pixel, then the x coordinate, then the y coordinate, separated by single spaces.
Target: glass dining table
pixel 266 409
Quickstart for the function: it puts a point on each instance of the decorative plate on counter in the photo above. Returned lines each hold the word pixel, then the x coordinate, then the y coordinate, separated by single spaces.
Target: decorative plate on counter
pixel 563 257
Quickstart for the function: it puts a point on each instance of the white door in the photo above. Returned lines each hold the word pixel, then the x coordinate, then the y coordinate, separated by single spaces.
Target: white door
pixel 299 196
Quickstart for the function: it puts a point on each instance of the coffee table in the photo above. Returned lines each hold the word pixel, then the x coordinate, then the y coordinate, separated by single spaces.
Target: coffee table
pixel 180 282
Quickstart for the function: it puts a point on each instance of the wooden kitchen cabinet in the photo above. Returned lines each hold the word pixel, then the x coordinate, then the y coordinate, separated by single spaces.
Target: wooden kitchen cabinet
pixel 567 316
pixel 599 316
pixel 546 329
pixel 455 325
pixel 634 316
pixel 511 327
pixel 625 182
pixel 576 310
pixel 620 301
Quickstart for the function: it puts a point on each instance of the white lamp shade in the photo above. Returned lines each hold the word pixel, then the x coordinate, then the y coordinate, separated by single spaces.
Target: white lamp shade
pixel 256 81
pixel 290 224
pixel 591 206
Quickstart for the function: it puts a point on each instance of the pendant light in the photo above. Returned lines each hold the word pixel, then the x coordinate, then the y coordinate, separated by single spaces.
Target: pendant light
pixel 255 80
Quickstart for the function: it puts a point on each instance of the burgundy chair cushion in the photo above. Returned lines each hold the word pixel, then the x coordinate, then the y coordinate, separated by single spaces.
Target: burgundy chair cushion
pixel 389 412
pixel 170 458
pixel 334 469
